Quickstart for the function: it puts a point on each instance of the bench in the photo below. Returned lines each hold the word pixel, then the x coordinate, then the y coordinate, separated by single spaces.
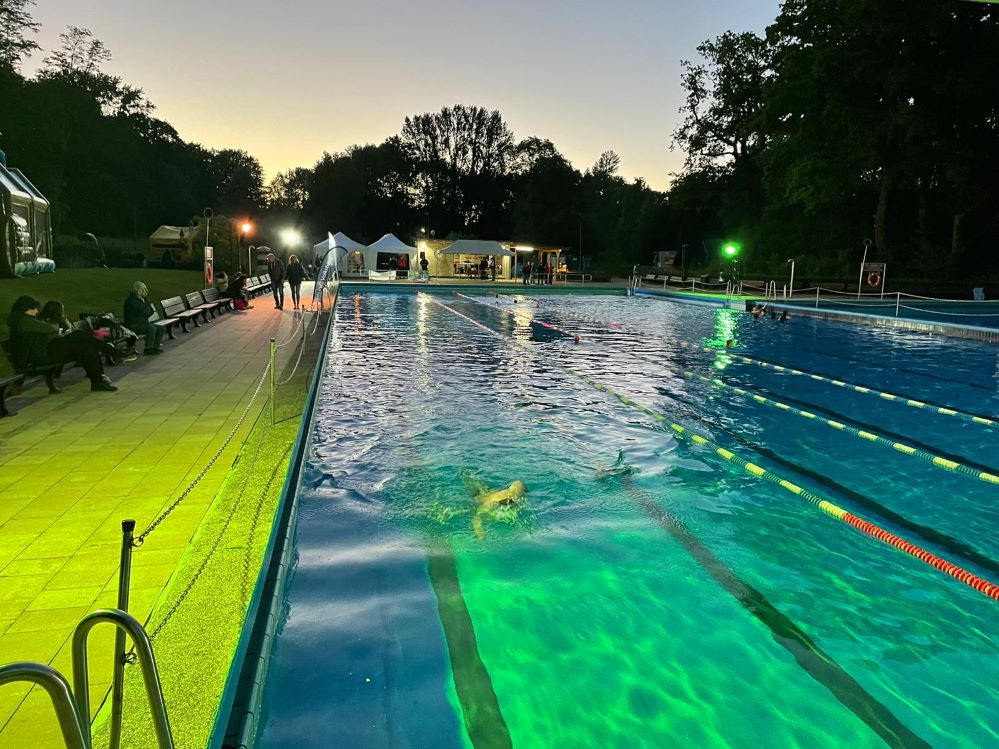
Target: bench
pixel 49 371
pixel 197 300
pixel 195 303
pixel 15 384
pixel 163 322
pixel 258 285
pixel 174 307
pixel 212 296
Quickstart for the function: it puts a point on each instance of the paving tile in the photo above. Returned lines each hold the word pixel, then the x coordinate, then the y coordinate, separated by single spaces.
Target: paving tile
pixel 47 566
pixel 17 526
pixel 66 598
pixel 60 620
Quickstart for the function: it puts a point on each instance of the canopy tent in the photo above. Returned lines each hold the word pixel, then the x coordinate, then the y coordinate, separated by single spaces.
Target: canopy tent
pixel 391 246
pixel 171 235
pixel 476 247
pixel 343 254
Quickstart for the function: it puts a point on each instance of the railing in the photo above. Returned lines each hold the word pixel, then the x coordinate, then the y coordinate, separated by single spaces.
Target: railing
pixel 879 299
pixel 72 706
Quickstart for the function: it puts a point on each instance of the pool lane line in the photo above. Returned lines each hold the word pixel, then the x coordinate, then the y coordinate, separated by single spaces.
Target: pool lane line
pixel 936 461
pixel 947 542
pixel 986 588
pixel 744 358
pixel 926 533
pixel 983 473
pixel 785 632
pixel 484 722
pixel 810 657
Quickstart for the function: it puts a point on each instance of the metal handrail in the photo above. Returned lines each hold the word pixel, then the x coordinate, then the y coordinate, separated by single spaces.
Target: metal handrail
pixel 75 731
pixel 147 664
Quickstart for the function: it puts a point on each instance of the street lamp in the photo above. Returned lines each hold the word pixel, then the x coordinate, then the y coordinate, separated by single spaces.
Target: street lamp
pixel 245 229
pixel 791 261
pixel 291 237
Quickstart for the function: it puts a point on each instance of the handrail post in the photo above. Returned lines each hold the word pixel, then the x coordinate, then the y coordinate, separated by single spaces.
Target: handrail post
pixel 273 356
pixel 118 674
pixel 147 664
pixel 817 289
pixel 898 301
pixel 71 723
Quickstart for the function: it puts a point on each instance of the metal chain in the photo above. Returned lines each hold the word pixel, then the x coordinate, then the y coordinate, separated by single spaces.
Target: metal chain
pixel 140 539
pixel 218 540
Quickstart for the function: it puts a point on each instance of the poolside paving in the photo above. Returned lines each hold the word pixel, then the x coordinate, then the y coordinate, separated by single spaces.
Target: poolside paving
pixel 74 465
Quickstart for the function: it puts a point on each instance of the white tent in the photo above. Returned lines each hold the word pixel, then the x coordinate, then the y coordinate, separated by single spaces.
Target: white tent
pixel 344 254
pixel 476 247
pixel 390 244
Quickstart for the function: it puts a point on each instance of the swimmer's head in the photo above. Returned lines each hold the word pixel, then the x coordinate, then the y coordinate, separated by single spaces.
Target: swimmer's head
pixel 517 488
pixel 576 339
pixel 729 343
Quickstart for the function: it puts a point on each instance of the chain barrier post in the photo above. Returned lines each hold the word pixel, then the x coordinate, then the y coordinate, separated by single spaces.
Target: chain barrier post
pixel 118 677
pixel 273 354
pixel 898 301
pixel 817 289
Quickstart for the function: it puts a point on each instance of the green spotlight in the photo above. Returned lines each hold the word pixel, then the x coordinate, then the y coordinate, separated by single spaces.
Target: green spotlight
pixel 730 250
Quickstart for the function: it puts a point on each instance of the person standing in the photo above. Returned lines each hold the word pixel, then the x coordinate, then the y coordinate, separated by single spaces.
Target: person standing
pixel 492 268
pixel 424 267
pixel 527 272
pixel 136 318
pixel 276 270
pixel 296 274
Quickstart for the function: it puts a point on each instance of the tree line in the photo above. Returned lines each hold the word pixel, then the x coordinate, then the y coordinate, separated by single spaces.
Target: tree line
pixel 845 120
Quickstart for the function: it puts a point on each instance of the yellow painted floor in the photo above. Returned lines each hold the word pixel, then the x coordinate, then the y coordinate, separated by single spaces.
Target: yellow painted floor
pixel 74 465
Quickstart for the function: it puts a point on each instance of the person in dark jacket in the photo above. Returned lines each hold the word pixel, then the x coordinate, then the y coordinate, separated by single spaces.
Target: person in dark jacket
pixel 236 290
pixel 38 343
pixel 137 312
pixel 296 274
pixel 276 270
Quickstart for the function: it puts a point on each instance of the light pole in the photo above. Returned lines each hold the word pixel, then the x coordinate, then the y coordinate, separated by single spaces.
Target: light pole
pixel 208 213
pixel 860 280
pixel 791 261
pixel 245 229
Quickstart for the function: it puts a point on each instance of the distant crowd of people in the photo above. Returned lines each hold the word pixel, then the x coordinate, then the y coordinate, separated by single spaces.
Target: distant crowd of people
pixel 538 273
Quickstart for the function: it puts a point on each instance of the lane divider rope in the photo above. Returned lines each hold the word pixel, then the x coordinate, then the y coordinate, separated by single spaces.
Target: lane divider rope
pixel 893 397
pixel 989 589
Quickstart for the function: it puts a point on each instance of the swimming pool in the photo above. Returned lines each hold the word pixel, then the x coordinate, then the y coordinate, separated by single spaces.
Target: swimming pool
pixel 648 592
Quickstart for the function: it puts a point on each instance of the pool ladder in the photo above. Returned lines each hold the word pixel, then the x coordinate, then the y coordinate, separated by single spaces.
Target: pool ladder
pixel 73 712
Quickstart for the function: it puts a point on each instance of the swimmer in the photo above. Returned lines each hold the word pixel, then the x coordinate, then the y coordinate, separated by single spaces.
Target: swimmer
pixel 758 310
pixel 783 316
pixel 729 343
pixel 490 500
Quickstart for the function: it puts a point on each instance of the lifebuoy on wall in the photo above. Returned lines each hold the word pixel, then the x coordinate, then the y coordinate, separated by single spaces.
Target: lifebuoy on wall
pixel 874 279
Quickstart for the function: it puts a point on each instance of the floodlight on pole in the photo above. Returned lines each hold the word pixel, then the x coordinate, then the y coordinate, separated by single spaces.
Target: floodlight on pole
pixel 291 237
pixel 730 250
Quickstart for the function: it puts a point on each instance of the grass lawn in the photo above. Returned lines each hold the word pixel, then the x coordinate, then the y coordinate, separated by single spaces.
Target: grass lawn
pixel 92 290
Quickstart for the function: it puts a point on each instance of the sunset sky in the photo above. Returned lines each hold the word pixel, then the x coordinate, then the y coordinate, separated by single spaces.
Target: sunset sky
pixel 288 80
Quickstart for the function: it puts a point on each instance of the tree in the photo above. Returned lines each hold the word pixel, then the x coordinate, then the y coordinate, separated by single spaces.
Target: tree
pixel 237 180
pixel 724 100
pixel 289 190
pixel 79 61
pixel 462 156
pixel 15 25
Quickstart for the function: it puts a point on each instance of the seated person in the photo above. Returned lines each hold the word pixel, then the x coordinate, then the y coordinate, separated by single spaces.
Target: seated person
pixel 38 343
pixel 137 313
pixel 236 290
pixel 108 331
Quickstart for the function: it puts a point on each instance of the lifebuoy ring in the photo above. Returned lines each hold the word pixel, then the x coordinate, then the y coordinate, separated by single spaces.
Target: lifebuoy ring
pixel 874 279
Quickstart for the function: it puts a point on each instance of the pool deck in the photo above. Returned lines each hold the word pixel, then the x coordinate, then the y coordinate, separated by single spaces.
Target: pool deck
pixel 74 465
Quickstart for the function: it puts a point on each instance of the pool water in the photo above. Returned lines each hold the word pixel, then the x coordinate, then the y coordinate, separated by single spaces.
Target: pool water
pixel 644 592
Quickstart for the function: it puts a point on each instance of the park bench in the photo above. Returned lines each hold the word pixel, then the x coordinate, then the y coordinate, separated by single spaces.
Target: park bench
pixel 163 322
pixel 195 304
pixel 196 300
pixel 14 383
pixel 49 371
pixel 258 285
pixel 212 296
pixel 174 307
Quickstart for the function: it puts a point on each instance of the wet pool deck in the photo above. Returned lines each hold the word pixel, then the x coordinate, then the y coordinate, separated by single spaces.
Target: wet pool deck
pixel 74 465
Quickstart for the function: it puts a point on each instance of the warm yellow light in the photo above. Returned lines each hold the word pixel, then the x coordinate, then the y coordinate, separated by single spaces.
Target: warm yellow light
pixel 247 227
pixel 291 237
pixel 523 248
pixel 422 245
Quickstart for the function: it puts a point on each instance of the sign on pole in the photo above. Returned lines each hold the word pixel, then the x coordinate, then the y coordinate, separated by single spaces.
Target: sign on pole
pixel 874 277
pixel 209 269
